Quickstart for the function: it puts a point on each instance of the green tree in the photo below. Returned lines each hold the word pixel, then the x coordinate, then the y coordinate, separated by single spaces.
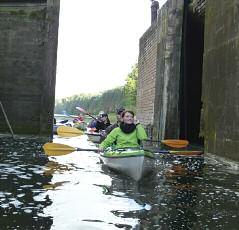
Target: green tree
pixel 107 101
pixel 130 88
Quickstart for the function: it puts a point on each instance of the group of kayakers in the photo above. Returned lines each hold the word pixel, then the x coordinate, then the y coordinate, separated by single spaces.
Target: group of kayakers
pixel 124 133
pixel 101 123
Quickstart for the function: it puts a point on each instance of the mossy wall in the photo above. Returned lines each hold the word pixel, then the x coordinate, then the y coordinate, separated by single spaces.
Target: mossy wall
pixel 28 34
pixel 220 78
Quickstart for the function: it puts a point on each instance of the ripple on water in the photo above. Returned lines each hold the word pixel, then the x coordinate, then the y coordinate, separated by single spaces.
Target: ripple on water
pixel 76 191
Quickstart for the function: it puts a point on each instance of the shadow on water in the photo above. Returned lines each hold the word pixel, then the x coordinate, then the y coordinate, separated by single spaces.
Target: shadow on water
pixel 21 181
pixel 77 192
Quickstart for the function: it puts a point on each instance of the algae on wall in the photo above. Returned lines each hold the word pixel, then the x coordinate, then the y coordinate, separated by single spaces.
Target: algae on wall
pixel 220 79
pixel 24 50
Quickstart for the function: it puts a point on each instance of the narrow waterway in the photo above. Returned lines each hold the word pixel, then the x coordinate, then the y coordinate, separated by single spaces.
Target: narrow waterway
pixel 76 191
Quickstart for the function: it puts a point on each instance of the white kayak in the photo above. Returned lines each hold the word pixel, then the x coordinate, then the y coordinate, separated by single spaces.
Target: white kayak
pixel 133 162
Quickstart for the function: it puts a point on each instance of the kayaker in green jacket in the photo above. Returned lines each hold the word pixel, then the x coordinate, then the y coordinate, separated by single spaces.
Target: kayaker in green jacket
pixel 128 134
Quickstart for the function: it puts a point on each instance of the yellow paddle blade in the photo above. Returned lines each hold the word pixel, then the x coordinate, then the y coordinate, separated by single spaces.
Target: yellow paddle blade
pixel 55 185
pixel 175 143
pixel 55 149
pixel 66 131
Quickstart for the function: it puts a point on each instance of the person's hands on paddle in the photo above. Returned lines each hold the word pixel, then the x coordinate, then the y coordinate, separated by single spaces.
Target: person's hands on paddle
pixel 100 150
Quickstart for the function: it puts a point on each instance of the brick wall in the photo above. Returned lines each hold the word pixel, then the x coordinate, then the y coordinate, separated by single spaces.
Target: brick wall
pixel 159 72
pixel 147 76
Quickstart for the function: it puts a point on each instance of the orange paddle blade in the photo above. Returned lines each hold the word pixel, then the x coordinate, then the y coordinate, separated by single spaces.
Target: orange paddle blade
pixel 175 143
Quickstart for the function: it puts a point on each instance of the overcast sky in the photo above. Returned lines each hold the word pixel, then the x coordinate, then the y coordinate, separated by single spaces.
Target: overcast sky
pixel 98 43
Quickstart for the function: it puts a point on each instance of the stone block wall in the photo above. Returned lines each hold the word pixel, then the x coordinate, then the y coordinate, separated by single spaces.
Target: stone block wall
pixel 28 48
pixel 220 78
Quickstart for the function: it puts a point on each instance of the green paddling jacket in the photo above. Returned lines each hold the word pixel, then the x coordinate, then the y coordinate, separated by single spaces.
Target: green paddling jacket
pixel 122 140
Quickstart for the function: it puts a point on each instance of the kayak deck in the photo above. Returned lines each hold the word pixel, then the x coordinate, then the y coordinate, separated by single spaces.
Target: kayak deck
pixel 135 163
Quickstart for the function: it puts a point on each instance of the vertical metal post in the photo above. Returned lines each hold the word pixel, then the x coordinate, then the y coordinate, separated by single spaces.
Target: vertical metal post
pixel 7 121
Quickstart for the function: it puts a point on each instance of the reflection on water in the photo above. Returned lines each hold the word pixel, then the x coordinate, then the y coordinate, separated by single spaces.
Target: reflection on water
pixel 76 191
pixel 21 181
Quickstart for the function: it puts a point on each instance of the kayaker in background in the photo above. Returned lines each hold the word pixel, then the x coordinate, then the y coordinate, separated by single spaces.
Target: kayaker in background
pixel 119 119
pixel 78 119
pixel 128 134
pixel 92 124
pixel 103 122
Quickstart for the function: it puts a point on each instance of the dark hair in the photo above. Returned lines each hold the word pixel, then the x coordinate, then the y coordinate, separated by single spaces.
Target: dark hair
pixel 119 110
pixel 127 111
pixel 104 115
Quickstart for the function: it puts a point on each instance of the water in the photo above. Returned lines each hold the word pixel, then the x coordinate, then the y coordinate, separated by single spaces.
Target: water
pixel 76 191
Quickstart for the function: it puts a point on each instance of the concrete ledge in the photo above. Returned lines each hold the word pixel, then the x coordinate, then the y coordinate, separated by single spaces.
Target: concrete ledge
pixel 31 137
pixel 229 164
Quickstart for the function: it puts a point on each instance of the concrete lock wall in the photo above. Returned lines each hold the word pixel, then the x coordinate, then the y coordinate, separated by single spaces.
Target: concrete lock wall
pixel 168 60
pixel 28 49
pixel 159 72
pixel 220 78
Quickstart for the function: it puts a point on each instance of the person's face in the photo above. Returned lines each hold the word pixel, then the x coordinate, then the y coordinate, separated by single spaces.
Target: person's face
pixel 119 117
pixel 104 118
pixel 128 118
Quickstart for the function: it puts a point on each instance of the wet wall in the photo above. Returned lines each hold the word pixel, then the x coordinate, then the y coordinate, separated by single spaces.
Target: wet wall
pixel 191 74
pixel 220 78
pixel 28 51
pixel 194 71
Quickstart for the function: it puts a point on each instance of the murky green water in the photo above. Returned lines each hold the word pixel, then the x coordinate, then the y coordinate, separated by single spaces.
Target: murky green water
pixel 76 192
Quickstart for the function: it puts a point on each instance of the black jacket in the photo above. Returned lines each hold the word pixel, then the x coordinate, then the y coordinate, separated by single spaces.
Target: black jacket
pixel 101 125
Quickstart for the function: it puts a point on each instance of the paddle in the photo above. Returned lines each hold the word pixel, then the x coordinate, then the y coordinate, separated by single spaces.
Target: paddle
pixel 85 112
pixel 178 152
pixel 67 131
pixel 56 149
pixel 67 114
pixel 175 143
